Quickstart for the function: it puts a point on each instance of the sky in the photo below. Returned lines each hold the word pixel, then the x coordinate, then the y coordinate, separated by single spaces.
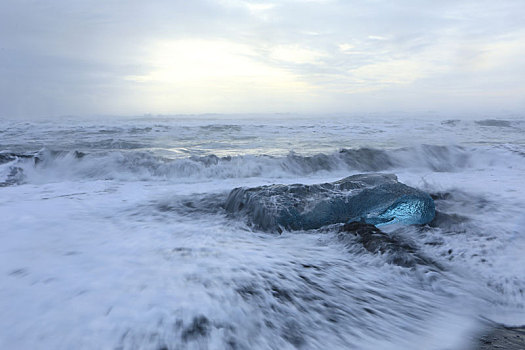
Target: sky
pixel 81 58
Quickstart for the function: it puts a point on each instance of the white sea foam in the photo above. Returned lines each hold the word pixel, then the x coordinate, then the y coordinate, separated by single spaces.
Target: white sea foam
pixel 115 237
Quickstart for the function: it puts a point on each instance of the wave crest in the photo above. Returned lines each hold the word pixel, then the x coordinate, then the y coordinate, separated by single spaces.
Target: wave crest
pixel 50 165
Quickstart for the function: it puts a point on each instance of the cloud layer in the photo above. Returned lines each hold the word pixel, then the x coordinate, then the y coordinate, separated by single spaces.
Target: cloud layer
pixel 238 56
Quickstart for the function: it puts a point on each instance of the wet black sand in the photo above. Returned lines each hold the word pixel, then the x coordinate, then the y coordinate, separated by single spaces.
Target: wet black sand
pixel 503 338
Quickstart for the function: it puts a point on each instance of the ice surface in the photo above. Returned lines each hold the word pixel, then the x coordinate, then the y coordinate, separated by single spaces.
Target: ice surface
pixel 376 199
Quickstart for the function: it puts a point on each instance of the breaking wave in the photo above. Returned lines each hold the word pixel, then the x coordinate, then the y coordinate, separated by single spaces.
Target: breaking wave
pixel 49 166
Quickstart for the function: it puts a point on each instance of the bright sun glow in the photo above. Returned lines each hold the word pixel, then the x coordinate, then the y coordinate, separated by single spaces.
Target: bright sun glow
pixel 197 73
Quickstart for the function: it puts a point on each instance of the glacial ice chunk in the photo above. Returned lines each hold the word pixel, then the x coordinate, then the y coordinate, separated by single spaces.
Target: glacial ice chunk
pixel 377 199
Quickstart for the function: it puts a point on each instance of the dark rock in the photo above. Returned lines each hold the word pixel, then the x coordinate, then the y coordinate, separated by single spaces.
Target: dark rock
pixel 397 251
pixel 501 337
pixel 376 199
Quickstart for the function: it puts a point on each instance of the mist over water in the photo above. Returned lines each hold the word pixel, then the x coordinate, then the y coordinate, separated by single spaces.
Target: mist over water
pixel 114 235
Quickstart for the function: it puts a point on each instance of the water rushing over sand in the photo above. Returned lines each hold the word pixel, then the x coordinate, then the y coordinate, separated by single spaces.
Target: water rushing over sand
pixel 114 235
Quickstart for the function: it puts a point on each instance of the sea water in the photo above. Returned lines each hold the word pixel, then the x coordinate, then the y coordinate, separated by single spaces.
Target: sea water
pixel 113 234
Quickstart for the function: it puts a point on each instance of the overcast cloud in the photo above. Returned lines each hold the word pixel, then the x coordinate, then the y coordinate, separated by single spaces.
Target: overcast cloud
pixel 238 56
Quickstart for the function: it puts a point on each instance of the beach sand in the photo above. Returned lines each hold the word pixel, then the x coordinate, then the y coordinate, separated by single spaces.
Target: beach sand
pixel 503 338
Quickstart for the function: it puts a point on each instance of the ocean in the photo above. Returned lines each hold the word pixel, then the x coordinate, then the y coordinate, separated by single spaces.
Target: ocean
pixel 114 234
